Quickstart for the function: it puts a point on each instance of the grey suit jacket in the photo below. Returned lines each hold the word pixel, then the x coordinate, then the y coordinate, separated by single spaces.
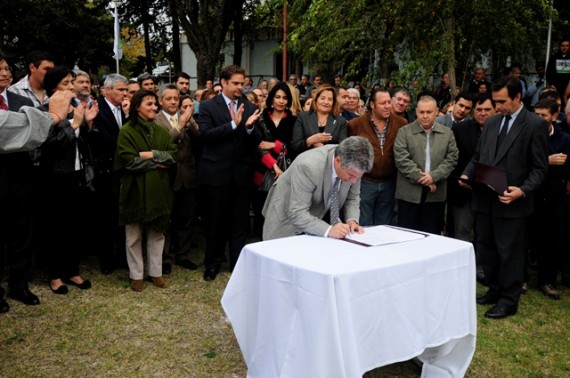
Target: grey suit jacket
pixel 299 199
pixel 523 153
pixel 447 120
pixel 23 131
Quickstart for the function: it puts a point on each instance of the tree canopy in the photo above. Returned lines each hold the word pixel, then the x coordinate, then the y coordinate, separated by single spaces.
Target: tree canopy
pixel 360 39
pixel 73 31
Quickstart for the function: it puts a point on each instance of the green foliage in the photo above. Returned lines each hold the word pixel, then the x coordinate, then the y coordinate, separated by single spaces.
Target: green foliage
pixel 430 37
pixel 73 31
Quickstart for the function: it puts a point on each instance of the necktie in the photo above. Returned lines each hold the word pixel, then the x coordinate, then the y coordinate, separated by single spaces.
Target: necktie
pixel 118 116
pixel 335 203
pixel 232 111
pixel 503 132
pixel 173 121
pixel 3 105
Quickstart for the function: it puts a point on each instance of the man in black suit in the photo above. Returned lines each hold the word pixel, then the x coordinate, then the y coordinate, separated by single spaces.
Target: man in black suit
pixel 515 140
pixel 467 135
pixel 16 188
pixel 230 139
pixel 108 236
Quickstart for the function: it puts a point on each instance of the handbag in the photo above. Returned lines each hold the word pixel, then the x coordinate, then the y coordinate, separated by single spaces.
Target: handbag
pixel 269 177
pixel 268 181
pixel 282 161
pixel 89 176
pixel 88 170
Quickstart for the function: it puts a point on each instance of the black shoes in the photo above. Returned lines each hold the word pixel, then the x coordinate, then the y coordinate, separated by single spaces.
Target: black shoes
pixel 488 298
pixel 166 268
pixel 25 296
pixel 188 265
pixel 210 274
pixel 499 312
pixel 86 284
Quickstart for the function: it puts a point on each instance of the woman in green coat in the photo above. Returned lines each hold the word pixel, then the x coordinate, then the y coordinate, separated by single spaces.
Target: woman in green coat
pixel 144 155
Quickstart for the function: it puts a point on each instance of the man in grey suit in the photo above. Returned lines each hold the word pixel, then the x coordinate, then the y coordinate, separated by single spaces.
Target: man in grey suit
pixel 515 140
pixel 302 196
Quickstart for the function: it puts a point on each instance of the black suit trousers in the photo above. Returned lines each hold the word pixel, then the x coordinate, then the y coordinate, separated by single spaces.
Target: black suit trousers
pixel 226 216
pixel 501 247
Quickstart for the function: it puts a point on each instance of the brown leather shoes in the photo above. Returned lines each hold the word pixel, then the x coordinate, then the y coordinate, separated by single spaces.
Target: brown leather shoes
pixel 159 282
pixel 550 291
pixel 137 285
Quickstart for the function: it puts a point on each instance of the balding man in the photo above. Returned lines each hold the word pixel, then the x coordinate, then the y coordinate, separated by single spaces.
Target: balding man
pixel 425 155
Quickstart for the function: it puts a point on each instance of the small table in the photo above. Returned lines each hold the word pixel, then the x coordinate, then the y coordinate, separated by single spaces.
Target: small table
pixel 308 306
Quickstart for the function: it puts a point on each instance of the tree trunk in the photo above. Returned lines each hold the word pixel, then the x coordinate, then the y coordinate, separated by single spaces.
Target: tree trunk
pixel 238 37
pixel 451 54
pixel 148 57
pixel 176 54
pixel 205 24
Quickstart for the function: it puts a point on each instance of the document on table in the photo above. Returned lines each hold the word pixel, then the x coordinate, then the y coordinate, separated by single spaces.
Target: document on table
pixel 382 235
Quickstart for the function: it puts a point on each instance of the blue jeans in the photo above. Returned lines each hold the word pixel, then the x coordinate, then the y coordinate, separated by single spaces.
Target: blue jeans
pixel 376 202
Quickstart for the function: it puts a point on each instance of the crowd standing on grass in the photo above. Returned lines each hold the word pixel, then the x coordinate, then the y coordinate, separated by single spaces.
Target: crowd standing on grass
pixel 133 168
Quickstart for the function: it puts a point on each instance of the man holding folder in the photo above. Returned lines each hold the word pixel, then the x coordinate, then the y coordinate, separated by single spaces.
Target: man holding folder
pixel 515 140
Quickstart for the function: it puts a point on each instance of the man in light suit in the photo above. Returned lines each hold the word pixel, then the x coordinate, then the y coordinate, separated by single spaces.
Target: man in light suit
pixel 183 129
pixel 517 141
pixel 301 197
pixel 230 139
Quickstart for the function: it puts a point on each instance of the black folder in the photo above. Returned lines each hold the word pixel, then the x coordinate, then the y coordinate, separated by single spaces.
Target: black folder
pixel 487 178
pixel 493 177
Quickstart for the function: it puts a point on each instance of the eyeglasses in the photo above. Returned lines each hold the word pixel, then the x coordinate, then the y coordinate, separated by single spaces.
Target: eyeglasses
pixel 5 69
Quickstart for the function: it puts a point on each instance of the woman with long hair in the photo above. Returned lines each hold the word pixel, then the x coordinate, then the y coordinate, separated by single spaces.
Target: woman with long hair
pixel 276 125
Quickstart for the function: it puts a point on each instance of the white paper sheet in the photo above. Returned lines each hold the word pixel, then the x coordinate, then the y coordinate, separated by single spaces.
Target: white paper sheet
pixel 381 235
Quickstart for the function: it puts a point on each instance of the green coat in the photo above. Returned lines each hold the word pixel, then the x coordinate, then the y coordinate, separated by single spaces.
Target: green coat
pixel 146 194
pixel 410 159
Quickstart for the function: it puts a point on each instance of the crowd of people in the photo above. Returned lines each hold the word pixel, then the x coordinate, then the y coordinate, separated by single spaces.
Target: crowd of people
pixel 127 172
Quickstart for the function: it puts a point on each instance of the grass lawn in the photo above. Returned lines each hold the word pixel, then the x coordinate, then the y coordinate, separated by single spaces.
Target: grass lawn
pixel 181 331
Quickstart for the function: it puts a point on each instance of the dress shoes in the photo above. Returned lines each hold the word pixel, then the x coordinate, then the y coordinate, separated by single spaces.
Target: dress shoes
pixel 487 299
pixel 499 312
pixel 159 282
pixel 166 268
pixel 137 285
pixel 550 291
pixel 210 274
pixel 86 284
pixel 188 264
pixel 25 296
pixel 4 307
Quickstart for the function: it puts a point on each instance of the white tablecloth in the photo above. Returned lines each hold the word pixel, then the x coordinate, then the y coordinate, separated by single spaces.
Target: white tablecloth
pixel 307 306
